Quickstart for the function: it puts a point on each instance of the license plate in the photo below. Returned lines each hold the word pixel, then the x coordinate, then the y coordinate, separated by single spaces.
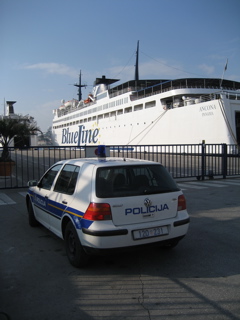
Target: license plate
pixel 150 233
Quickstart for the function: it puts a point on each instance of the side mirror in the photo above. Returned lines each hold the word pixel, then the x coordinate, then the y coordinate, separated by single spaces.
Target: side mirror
pixel 32 183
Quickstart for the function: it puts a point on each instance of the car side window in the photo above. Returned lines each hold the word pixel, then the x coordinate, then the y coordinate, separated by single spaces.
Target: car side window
pixel 67 179
pixel 47 180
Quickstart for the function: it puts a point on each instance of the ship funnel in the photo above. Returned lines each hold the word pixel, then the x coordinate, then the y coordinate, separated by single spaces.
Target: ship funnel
pixel 102 84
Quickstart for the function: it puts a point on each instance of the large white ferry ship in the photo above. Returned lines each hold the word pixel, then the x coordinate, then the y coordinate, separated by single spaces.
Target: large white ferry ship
pixel 151 112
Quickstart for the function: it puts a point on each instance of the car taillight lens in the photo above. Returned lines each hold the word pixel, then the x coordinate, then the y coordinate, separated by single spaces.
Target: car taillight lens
pixel 182 203
pixel 98 211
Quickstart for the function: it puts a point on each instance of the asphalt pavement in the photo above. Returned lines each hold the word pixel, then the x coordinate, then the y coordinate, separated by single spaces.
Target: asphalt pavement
pixel 197 280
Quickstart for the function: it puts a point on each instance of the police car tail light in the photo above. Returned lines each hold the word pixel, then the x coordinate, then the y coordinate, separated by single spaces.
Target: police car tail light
pixel 98 211
pixel 182 203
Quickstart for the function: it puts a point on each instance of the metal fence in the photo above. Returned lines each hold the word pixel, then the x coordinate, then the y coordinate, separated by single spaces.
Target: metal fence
pixel 198 161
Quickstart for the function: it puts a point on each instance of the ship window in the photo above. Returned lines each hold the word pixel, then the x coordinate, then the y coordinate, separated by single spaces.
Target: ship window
pixel 94 118
pixel 113 113
pixel 89 119
pixel 150 104
pixel 127 110
pixel 138 107
pixel 119 112
pixel 112 104
pixel 105 106
pixel 100 116
pixel 119 102
pixel 106 115
pixel 101 96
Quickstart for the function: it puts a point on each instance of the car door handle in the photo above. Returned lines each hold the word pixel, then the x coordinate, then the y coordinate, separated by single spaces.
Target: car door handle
pixel 64 202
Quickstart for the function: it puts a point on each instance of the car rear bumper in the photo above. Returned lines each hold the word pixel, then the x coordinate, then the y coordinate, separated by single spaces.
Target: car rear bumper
pixel 99 251
pixel 107 233
pixel 114 238
pixel 118 232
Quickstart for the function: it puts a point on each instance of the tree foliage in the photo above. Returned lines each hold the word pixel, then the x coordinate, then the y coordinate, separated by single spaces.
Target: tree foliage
pixel 14 127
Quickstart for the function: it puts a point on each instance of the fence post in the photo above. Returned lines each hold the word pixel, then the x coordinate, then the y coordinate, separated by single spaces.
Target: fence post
pixel 224 160
pixel 203 159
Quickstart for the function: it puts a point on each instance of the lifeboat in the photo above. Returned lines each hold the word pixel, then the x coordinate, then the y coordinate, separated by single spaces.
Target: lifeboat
pixel 89 99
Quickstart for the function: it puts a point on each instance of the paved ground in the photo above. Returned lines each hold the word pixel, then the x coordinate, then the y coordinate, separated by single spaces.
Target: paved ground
pixel 199 279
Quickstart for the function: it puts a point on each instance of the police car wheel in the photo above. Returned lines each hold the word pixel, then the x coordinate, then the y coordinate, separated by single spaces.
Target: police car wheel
pixel 75 252
pixel 31 217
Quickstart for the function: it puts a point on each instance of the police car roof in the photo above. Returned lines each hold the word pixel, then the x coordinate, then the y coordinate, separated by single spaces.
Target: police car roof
pixel 101 162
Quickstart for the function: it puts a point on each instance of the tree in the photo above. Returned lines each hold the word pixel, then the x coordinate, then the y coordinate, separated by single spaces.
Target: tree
pixel 12 127
pixel 47 137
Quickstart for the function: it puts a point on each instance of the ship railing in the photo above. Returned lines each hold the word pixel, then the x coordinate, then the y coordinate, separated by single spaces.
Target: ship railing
pixel 159 86
pixel 159 89
pixel 116 93
pixel 192 161
pixel 68 110
pixel 232 96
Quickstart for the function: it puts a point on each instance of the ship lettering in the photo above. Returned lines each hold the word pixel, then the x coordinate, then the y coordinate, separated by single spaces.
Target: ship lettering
pixel 87 136
pixel 207 108
pixel 206 114
pixel 80 137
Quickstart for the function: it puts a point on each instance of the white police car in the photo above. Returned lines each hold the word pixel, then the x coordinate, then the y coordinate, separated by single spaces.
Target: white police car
pixel 102 205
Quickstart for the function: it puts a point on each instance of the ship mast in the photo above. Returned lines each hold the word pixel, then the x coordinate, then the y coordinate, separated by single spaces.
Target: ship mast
pixel 136 65
pixel 80 86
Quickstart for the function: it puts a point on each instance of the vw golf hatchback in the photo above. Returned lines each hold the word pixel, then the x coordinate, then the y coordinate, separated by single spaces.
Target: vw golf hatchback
pixel 101 205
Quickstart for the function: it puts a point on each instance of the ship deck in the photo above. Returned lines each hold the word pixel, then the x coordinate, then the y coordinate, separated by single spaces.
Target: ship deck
pixel 143 88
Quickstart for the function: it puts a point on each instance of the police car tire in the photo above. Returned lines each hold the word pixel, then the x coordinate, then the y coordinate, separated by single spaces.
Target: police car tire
pixel 31 217
pixel 75 252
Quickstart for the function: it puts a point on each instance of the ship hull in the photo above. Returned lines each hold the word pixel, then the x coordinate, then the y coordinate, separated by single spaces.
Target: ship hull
pixel 169 115
pixel 155 126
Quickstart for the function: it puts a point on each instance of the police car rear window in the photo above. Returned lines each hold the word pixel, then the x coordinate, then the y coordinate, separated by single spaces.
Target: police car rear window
pixel 126 181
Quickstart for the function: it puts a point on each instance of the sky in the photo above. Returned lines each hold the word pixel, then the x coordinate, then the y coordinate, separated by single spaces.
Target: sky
pixel 44 45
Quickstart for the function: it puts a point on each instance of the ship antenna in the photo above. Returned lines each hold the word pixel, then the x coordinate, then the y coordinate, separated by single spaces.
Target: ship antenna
pixel 225 68
pixel 136 66
pixel 80 86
